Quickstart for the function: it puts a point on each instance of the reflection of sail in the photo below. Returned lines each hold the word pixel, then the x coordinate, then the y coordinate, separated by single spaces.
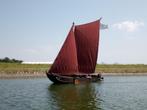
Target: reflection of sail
pixel 74 97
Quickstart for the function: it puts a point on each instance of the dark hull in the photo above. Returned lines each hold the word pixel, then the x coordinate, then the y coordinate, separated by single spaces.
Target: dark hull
pixel 76 79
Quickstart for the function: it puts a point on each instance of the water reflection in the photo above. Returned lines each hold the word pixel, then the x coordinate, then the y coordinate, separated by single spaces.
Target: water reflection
pixel 74 97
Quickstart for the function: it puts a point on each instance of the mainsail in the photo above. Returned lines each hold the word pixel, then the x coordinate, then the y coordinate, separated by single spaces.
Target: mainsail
pixel 79 51
pixel 87 39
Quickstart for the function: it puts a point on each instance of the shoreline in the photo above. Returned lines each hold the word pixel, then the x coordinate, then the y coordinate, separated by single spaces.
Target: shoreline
pixel 16 70
pixel 23 76
pixel 43 75
pixel 124 74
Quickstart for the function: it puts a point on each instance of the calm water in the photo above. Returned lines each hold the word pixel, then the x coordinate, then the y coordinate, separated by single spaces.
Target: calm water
pixel 114 93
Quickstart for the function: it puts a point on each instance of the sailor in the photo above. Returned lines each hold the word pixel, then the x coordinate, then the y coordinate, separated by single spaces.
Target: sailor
pixel 88 76
pixel 99 75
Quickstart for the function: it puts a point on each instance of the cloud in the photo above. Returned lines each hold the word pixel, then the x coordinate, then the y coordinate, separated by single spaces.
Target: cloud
pixel 129 26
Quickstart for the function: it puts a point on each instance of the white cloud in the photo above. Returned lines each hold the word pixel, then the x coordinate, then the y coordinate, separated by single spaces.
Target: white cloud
pixel 129 26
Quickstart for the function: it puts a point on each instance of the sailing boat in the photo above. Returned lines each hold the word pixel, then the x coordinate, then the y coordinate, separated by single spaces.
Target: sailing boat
pixel 77 58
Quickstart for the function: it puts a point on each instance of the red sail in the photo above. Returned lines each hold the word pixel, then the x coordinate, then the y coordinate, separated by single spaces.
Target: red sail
pixel 79 51
pixel 87 41
pixel 66 61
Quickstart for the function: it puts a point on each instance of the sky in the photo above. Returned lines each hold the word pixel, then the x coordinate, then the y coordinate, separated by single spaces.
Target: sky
pixel 34 30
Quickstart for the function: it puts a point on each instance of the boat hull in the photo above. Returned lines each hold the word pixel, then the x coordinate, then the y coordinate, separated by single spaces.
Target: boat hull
pixel 75 79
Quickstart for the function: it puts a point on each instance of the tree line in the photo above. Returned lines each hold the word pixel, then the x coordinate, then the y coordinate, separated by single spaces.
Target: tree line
pixel 8 60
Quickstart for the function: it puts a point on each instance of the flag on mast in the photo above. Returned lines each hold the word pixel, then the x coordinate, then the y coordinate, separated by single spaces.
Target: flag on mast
pixel 103 26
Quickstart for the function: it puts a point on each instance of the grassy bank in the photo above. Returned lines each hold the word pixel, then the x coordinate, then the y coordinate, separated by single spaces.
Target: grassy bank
pixel 119 68
pixel 13 68
pixel 16 69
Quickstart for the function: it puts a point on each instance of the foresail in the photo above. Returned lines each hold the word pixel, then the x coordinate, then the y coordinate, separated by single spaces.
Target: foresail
pixel 87 42
pixel 66 61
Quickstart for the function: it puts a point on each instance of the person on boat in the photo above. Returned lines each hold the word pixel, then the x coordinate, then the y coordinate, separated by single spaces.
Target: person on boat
pixel 100 76
pixel 88 76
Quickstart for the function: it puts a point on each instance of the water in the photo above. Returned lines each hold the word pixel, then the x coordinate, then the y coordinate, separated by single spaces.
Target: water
pixel 114 93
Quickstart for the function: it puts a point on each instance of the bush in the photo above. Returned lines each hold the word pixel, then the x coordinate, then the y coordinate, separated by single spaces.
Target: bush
pixel 8 60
